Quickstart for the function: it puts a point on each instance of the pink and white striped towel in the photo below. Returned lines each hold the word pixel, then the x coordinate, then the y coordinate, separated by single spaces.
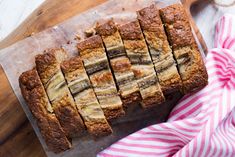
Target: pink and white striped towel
pixel 203 123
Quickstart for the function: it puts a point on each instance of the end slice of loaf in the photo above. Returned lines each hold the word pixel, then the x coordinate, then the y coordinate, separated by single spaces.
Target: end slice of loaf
pixel 97 67
pixel 190 64
pixel 142 65
pixel 120 63
pixel 37 101
pixel 48 67
pixel 85 99
pixel 161 53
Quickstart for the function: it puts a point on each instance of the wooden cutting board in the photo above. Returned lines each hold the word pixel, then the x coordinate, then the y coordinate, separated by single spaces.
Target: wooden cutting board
pixel 17 137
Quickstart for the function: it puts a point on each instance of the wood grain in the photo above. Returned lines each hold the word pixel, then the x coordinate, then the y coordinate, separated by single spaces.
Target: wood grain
pixel 50 13
pixel 16 134
pixel 22 143
pixel 187 4
pixel 11 113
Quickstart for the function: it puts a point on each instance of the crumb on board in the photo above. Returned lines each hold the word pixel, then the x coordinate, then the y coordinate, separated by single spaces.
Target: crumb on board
pixel 89 32
pixel 31 34
pixel 77 37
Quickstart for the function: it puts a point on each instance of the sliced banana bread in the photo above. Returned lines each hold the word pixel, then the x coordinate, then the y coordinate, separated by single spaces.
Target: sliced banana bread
pixel 120 63
pixel 161 53
pixel 85 99
pixel 97 67
pixel 190 64
pixel 142 65
pixel 48 67
pixel 37 101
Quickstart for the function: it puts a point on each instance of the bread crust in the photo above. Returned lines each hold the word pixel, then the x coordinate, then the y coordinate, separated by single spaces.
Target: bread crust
pixel 47 62
pixel 149 19
pixel 106 29
pixel 130 31
pixel 175 18
pixel 90 43
pixel 34 94
pixel 132 99
pixel 113 112
pixel 71 65
pixel 48 67
pixel 99 129
pixel 191 67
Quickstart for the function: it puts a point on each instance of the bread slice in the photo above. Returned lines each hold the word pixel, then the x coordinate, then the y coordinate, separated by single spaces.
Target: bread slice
pixel 85 99
pixel 159 48
pixel 37 101
pixel 190 64
pixel 120 63
pixel 97 67
pixel 142 65
pixel 48 67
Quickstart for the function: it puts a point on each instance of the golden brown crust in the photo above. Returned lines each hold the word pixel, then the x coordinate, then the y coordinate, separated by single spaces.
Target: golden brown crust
pixel 153 29
pixel 191 67
pixel 71 65
pixel 99 129
pixel 196 78
pixel 154 100
pixel 171 85
pixel 48 62
pixel 177 25
pixel 133 98
pixel 37 101
pixel 150 20
pixel 113 113
pixel 197 82
pixel 90 43
pixel 106 29
pixel 52 134
pixel 68 116
pixel 44 63
pixel 130 31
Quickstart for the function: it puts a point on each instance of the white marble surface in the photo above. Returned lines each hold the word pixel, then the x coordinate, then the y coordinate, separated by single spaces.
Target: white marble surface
pixel 13 12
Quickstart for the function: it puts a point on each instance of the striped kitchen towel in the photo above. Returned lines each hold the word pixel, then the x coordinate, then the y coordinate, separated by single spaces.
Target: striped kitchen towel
pixel 203 123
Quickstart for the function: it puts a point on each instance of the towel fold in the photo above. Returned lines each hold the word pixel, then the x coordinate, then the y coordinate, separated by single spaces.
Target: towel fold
pixel 203 123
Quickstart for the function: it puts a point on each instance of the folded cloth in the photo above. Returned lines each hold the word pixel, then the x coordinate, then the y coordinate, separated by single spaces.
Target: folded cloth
pixel 203 123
